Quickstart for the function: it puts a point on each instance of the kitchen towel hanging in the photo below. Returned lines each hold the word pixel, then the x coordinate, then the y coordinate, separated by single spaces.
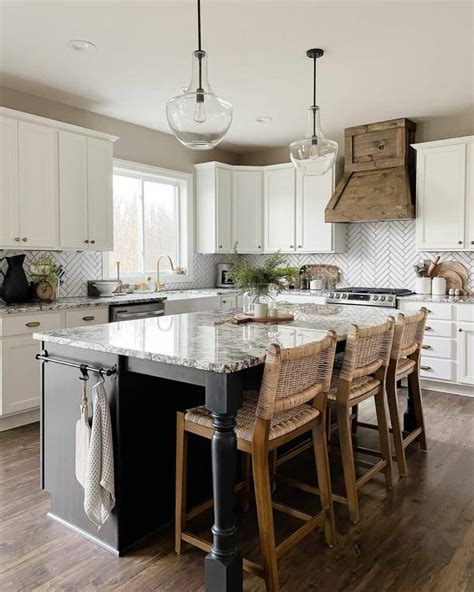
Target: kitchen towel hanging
pixel 99 498
pixel 83 433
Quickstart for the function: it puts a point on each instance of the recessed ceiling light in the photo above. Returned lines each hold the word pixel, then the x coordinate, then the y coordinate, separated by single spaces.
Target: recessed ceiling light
pixel 264 119
pixel 81 45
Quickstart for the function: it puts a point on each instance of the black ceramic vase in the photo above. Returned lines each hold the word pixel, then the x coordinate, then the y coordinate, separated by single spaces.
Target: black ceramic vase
pixel 15 288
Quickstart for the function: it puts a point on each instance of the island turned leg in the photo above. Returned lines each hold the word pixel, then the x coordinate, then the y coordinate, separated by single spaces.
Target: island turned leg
pixel 224 562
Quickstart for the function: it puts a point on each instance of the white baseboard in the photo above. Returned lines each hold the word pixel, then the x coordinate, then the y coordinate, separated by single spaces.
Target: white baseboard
pixel 452 388
pixel 9 422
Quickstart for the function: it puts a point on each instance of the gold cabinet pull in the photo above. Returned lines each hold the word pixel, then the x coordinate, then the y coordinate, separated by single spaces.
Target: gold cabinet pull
pixel 426 347
pixel 428 328
pixel 33 324
pixel 92 242
pixel 88 318
pixel 425 368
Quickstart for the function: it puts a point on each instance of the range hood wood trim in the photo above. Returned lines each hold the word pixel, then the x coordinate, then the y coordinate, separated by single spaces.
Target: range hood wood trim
pixel 388 200
pixel 379 172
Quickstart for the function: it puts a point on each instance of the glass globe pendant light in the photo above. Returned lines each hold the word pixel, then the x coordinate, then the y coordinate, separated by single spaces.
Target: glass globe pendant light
pixel 314 154
pixel 198 117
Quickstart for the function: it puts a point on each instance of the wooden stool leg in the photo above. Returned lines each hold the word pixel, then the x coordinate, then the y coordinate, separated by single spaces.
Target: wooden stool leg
pixel 181 462
pixel 383 436
pixel 418 404
pixel 396 427
pixel 245 493
pixel 273 469
pixel 347 453
pixel 324 482
pixel 263 498
pixel 355 412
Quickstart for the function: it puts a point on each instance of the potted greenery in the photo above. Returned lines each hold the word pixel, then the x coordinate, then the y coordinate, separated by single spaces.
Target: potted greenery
pixel 260 283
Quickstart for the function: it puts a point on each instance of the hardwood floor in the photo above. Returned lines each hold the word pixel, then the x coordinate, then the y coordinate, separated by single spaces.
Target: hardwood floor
pixel 418 537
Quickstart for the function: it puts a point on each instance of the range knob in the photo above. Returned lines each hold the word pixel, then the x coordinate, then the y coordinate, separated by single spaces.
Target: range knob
pixel 390 298
pixel 376 297
pixel 382 298
pixel 331 295
pixel 338 295
pixel 344 295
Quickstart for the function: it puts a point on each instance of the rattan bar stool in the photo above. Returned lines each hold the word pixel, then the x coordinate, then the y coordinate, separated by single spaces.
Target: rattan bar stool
pixel 292 401
pixel 361 376
pixel 405 362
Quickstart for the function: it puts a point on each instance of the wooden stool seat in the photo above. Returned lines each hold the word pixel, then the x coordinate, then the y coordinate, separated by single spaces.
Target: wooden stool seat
pixel 365 385
pixel 292 401
pixel 282 423
pixel 404 365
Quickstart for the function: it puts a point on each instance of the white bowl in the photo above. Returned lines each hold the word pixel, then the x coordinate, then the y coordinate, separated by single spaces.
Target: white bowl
pixel 106 287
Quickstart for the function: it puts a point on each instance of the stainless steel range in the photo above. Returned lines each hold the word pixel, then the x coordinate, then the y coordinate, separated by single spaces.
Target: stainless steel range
pixel 385 297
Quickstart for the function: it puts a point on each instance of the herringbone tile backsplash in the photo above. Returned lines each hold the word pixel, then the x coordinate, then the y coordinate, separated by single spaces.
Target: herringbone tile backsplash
pixel 378 254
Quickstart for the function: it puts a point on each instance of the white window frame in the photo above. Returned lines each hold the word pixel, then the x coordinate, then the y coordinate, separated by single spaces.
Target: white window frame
pixel 185 181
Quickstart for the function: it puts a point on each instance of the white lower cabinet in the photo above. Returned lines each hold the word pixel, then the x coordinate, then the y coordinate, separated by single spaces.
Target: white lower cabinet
pixel 20 373
pixel 198 304
pixel 20 377
pixel 448 348
pixel 466 353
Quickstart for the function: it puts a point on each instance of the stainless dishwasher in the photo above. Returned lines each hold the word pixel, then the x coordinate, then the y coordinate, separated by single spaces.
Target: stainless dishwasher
pixel 127 312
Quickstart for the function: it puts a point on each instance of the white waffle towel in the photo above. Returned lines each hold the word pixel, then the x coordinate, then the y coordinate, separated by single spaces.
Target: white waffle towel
pixel 99 490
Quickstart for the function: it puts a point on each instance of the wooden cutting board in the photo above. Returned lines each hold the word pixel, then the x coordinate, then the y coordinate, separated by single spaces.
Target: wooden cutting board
pixel 331 271
pixel 455 273
pixel 281 318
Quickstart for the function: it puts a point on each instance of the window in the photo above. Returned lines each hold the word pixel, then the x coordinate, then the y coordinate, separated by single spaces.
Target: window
pixel 151 218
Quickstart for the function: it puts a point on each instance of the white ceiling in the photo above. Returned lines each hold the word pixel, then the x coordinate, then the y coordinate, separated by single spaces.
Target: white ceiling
pixel 383 59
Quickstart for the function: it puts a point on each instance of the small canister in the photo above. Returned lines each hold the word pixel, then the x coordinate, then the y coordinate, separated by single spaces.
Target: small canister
pixel 438 286
pixel 423 285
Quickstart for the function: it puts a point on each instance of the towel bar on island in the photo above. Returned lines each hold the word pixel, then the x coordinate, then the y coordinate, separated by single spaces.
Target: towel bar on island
pixel 84 368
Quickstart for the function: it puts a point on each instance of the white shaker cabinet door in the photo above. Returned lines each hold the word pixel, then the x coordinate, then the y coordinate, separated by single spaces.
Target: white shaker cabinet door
pixel 224 210
pixel 247 205
pixel 279 208
pixel 100 197
pixel 470 197
pixel 21 376
pixel 466 353
pixel 441 191
pixel 313 234
pixel 73 232
pixel 38 185
pixel 9 211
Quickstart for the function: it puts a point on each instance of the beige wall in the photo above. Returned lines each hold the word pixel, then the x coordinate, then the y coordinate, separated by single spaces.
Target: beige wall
pixel 136 143
pixel 437 128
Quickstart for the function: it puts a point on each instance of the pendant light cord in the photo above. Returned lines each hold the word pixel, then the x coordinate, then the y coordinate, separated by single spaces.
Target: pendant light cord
pixel 200 96
pixel 314 140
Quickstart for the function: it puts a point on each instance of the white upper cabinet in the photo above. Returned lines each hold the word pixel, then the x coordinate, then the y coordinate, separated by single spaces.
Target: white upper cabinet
pixel 247 206
pixel 279 208
pixel 100 194
pixel 313 234
pixel 73 228
pixel 214 208
pixel 56 184
pixel 264 209
pixel 444 189
pixel 38 185
pixel 9 214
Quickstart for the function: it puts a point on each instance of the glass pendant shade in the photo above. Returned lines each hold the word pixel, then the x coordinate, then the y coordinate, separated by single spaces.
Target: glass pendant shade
pixel 314 154
pixel 198 117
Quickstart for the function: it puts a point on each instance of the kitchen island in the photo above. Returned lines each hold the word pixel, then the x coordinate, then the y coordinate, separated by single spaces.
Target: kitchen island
pixel 159 366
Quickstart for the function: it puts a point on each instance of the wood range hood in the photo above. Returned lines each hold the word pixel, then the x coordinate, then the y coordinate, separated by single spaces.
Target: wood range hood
pixel 379 174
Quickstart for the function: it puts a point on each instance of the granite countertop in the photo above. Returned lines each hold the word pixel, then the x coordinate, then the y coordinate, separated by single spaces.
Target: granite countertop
pixel 195 340
pixel 447 299
pixel 85 301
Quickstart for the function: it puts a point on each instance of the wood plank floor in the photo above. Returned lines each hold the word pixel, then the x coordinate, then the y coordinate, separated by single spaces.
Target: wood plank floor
pixel 418 537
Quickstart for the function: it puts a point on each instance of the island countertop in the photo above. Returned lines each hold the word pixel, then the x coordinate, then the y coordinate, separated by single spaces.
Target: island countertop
pixel 203 341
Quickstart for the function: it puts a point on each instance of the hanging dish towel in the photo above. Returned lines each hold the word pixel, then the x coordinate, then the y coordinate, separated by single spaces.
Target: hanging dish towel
pixel 83 433
pixel 99 498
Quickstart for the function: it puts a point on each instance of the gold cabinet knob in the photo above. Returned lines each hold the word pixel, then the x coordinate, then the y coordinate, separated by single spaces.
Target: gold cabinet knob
pixel 87 242
pixel 17 238
pixel 459 242
pixel 24 239
pixel 92 242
